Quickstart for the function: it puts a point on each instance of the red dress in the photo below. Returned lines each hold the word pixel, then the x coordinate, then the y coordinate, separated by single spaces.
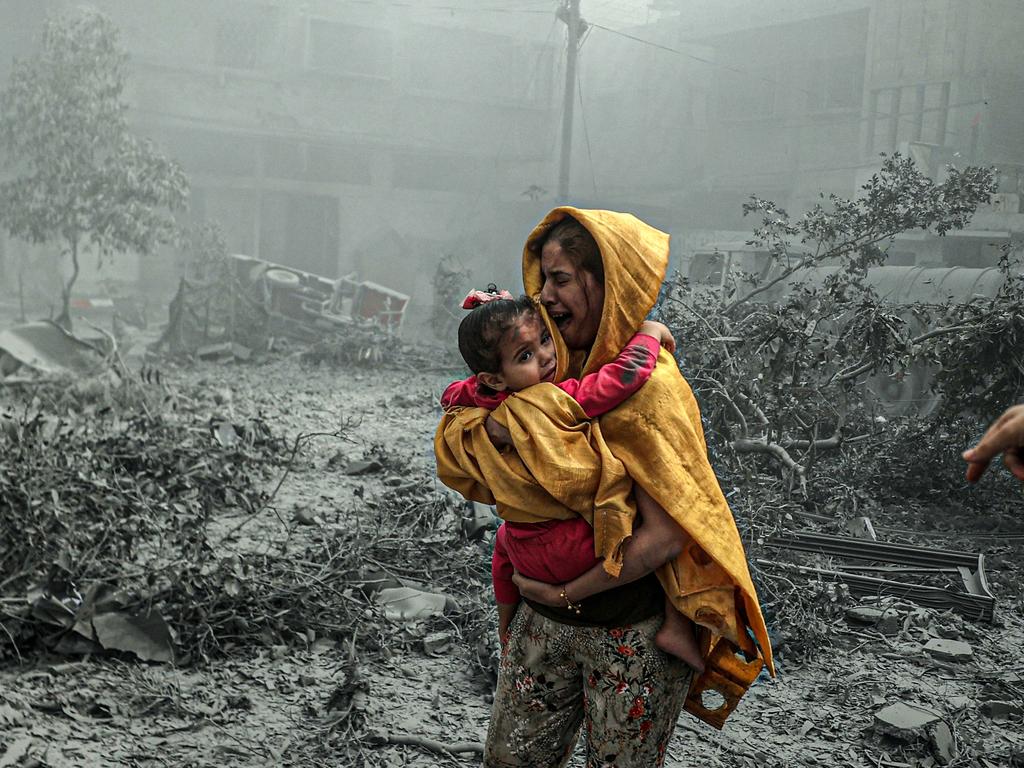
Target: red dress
pixel 557 551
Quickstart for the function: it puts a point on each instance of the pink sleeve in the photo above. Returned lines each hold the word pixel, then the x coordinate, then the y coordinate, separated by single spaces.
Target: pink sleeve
pixel 505 591
pixel 466 393
pixel 613 383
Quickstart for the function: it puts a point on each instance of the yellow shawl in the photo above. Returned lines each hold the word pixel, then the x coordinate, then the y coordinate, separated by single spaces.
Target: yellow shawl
pixel 563 465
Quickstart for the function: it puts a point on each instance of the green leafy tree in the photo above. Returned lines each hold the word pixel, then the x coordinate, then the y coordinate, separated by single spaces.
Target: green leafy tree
pixel 77 174
pixel 784 356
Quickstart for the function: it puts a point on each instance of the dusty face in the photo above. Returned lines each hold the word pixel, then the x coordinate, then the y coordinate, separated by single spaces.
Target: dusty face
pixel 527 356
pixel 572 296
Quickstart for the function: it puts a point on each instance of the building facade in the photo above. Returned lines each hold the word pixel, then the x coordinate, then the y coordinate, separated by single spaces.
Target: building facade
pixel 337 137
pixel 800 97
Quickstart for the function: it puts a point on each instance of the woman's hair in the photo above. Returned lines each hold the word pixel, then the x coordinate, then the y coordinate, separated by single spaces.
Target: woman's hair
pixel 578 243
pixel 481 330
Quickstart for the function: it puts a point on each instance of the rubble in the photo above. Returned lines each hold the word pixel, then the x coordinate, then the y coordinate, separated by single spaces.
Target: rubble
pixel 905 722
pixel 363 467
pixel 410 604
pixel 958 703
pixel 886 621
pixel 949 650
pixel 46 348
pixel 1000 711
pixel 943 743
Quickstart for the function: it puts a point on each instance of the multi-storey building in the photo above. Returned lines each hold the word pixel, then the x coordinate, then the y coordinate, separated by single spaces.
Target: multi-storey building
pixel 793 98
pixel 344 135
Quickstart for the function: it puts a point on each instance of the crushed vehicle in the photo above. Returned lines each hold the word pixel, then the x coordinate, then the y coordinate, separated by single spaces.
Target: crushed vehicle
pixel 245 303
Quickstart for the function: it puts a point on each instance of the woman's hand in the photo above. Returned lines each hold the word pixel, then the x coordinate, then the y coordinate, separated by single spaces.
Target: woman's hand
pixel 539 591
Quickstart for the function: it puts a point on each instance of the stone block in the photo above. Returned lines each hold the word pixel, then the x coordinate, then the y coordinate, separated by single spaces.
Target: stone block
pixel 905 722
pixel 949 650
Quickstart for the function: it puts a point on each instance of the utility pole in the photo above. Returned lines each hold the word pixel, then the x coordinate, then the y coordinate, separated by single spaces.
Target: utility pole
pixel 569 12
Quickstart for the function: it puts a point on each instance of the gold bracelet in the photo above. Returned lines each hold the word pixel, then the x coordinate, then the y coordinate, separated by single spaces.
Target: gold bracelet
pixel 569 603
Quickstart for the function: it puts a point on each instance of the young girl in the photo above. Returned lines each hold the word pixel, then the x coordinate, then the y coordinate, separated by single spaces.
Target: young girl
pixel 506 345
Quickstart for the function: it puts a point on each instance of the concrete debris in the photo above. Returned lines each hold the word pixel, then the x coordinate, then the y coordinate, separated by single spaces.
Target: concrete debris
pixel 888 622
pixel 363 467
pixel 223 351
pixel 943 743
pixel 409 604
pixel 46 348
pixel 437 643
pixel 949 650
pixel 958 703
pixel 904 721
pixel 1000 711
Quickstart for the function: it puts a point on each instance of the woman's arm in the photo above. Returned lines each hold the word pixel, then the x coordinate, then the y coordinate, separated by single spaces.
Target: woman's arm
pixel 658 540
pixel 500 436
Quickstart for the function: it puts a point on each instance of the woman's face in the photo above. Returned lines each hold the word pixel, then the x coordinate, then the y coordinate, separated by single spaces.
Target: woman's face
pixel 572 296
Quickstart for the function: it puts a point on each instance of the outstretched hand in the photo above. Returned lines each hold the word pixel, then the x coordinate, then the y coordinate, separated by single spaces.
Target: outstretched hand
pixel 1005 436
pixel 538 591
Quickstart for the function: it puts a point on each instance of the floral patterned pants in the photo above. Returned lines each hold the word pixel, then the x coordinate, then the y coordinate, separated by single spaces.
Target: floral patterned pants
pixel 624 691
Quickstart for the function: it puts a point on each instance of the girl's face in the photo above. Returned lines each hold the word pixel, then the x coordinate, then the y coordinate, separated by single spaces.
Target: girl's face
pixel 572 296
pixel 527 356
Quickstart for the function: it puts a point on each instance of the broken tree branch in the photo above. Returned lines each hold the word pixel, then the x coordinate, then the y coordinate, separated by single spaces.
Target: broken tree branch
pixel 776 451
pixel 434 746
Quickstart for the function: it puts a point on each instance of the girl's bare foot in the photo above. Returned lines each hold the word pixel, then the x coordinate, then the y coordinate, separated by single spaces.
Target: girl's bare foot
pixel 676 637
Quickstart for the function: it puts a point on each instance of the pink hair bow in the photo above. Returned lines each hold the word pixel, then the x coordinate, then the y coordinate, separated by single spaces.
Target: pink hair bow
pixel 475 298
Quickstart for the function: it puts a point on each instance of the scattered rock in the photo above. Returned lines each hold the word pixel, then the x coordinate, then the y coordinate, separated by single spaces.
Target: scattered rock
pixel 958 703
pixel 1001 711
pixel 408 604
pixel 406 401
pixel 949 650
pixel 364 467
pixel 305 516
pixel 942 742
pixel 437 643
pixel 887 622
pixel 904 722
pixel 209 351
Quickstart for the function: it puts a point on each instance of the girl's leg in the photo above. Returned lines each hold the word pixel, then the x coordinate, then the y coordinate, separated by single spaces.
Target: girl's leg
pixel 634 694
pixel 538 704
pixel 676 635
pixel 678 638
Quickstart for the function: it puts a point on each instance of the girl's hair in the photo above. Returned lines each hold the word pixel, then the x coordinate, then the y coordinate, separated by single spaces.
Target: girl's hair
pixel 481 330
pixel 578 243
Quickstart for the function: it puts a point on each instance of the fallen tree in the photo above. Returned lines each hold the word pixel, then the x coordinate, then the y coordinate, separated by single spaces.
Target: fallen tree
pixel 784 359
